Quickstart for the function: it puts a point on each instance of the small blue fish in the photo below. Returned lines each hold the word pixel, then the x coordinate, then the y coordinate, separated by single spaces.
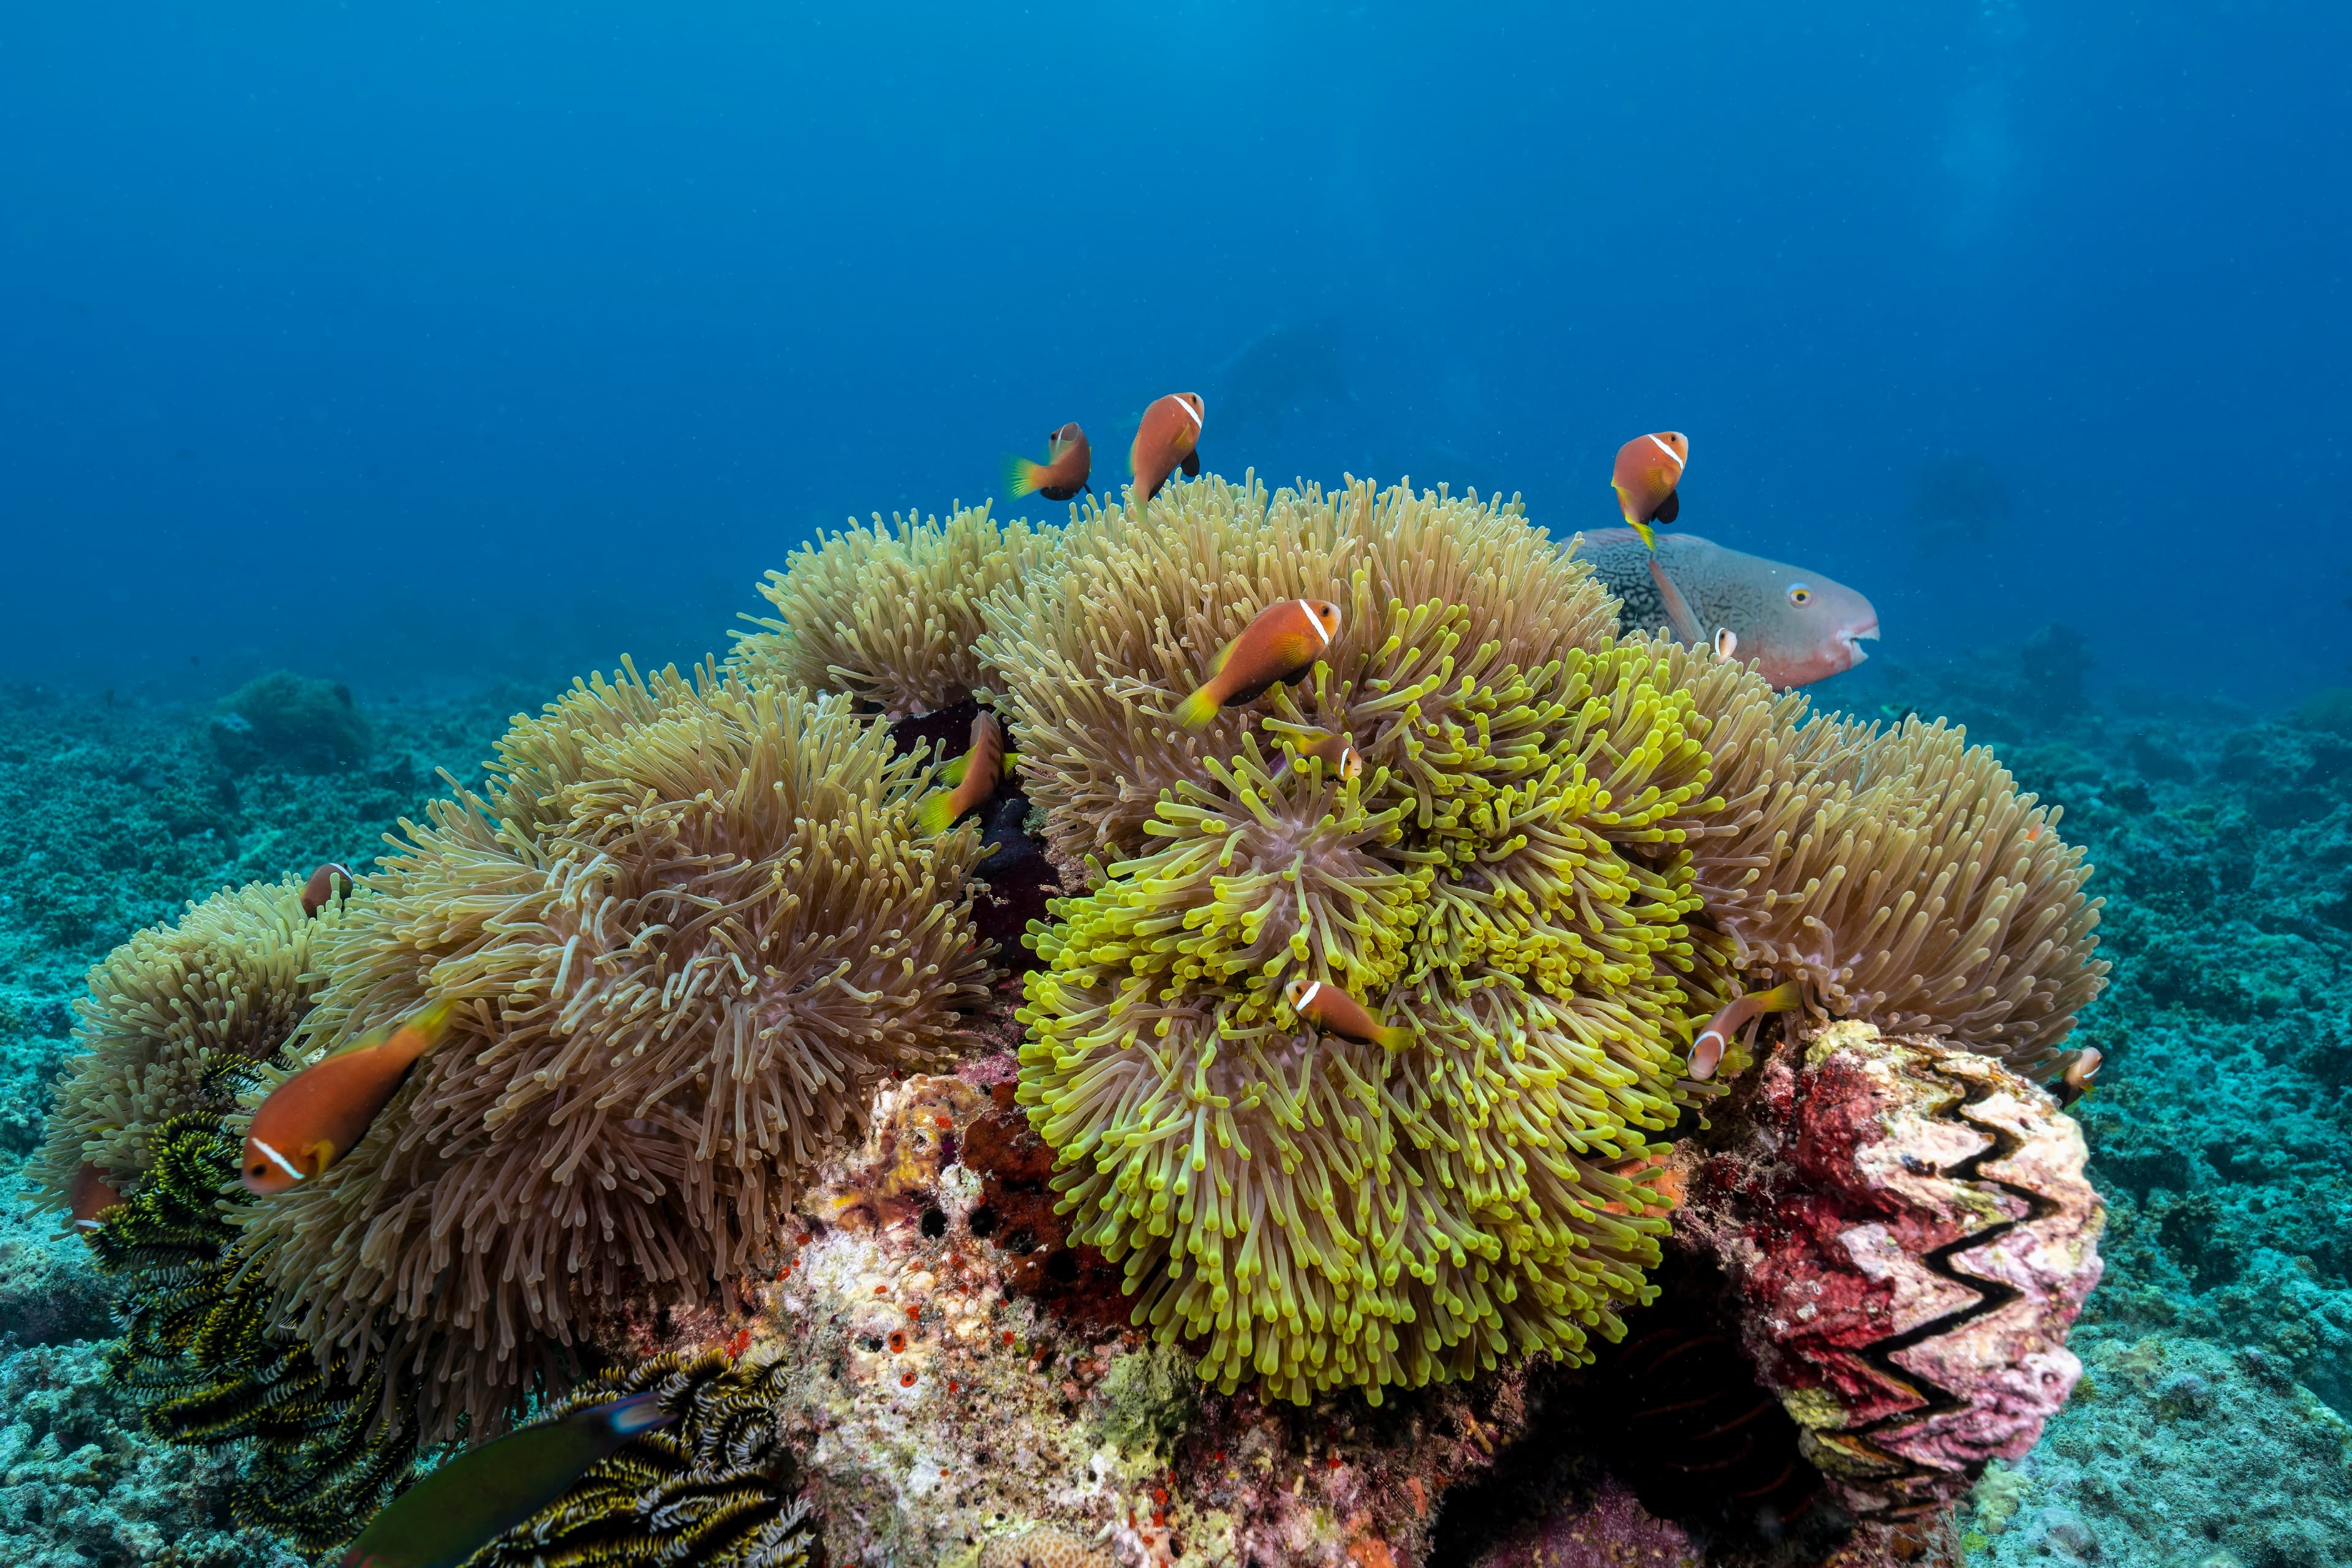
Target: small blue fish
pixel 473 1499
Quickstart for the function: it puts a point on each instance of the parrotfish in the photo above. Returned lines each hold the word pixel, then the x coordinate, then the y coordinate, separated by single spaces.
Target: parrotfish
pixel 1706 1050
pixel 1797 627
pixel 473 1499
pixel 314 1118
pixel 324 885
pixel 89 1196
pixel 1649 468
pixel 972 778
pixel 1063 474
pixel 1168 438
pixel 1280 645
pixel 1323 1005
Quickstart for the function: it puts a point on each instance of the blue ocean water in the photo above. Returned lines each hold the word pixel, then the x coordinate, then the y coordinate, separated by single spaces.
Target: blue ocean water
pixel 412 342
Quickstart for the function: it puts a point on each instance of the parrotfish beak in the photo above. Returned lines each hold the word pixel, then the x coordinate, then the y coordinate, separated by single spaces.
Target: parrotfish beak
pixel 1851 639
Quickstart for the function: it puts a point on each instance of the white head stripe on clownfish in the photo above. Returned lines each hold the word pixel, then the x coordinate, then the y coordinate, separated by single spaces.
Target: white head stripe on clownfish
pixel 283 1163
pixel 1314 620
pixel 1308 999
pixel 1186 404
pixel 1669 451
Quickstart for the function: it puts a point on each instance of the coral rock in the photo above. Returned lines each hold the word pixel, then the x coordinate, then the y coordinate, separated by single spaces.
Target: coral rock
pixel 1910 1228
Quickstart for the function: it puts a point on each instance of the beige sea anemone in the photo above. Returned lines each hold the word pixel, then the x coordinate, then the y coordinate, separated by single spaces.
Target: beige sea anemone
pixel 229 980
pixel 887 614
pixel 687 927
pixel 1898 872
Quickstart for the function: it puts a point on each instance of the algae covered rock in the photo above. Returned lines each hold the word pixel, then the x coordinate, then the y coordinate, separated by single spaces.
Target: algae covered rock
pixel 292 722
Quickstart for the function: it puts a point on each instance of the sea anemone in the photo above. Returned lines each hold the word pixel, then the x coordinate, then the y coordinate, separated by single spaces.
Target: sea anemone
pixel 887 614
pixel 1898 872
pixel 686 927
pixel 166 1011
pixel 1506 882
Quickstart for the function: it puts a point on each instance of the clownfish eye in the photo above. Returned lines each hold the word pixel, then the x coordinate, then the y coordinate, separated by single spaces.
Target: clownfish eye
pixel 1798 594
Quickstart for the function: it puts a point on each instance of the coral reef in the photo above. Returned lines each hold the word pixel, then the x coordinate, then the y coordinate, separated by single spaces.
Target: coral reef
pixel 292 722
pixel 1908 1228
pixel 951 1404
pixel 2175 1451
pixel 687 928
pixel 888 614
pixel 79 1489
pixel 716 1490
pixel 167 1012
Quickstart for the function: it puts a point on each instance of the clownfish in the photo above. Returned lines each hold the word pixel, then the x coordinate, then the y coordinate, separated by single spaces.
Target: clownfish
pixel 322 887
pixel 1648 469
pixel 1323 1005
pixel 454 1511
pixel 90 1194
pixel 1338 757
pixel 1168 438
pixel 314 1118
pixel 972 778
pixel 2076 1070
pixel 1063 474
pixel 1706 1051
pixel 1281 644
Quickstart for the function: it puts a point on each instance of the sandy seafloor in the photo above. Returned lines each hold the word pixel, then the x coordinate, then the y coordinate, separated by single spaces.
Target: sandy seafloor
pixel 2210 1430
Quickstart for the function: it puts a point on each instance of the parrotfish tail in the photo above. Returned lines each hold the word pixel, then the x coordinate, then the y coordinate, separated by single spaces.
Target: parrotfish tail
pixel 937 814
pixel 627 1418
pixel 1021 477
pixel 1395 1039
pixel 1195 712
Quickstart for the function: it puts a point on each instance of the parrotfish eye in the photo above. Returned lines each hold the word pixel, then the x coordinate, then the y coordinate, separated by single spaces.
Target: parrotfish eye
pixel 1798 594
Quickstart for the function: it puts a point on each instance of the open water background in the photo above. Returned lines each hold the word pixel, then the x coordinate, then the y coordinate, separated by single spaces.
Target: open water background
pixel 413 344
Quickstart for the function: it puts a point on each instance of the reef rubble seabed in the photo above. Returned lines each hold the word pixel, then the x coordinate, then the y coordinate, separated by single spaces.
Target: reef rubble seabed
pixel 2206 1429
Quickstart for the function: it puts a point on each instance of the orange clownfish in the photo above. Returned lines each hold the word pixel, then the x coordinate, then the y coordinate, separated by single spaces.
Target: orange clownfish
pixel 322 887
pixel 2076 1070
pixel 314 1118
pixel 1323 1005
pixel 1648 469
pixel 1063 474
pixel 1340 759
pixel 1706 1051
pixel 1168 438
pixel 1281 644
pixel 972 778
pixel 90 1194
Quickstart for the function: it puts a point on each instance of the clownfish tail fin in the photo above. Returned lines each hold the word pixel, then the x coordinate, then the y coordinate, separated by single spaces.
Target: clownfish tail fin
pixel 936 815
pixel 1648 538
pixel 1195 712
pixel 1021 477
pixel 1393 1038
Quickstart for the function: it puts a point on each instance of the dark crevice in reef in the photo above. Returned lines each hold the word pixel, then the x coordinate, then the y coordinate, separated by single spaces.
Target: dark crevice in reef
pixel 1673 1413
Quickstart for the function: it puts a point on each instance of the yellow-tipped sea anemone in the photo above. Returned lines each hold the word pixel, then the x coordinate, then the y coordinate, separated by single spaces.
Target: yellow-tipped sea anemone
pixel 1564 848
